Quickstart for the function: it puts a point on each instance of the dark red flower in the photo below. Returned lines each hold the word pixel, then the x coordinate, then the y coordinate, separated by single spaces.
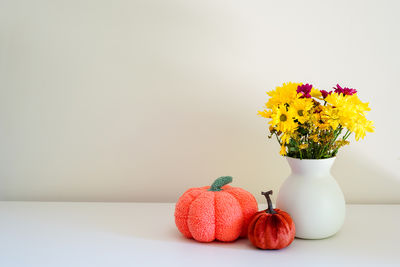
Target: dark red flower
pixel 344 91
pixel 305 89
pixel 325 93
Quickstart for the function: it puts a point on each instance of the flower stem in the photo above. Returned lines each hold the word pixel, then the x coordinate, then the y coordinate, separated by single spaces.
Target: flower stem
pixel 277 138
pixel 327 147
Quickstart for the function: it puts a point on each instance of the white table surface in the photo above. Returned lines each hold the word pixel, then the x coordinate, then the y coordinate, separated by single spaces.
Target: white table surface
pixel 144 234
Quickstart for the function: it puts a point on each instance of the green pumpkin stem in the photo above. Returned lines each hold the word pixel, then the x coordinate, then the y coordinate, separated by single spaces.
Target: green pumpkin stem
pixel 220 182
pixel 269 210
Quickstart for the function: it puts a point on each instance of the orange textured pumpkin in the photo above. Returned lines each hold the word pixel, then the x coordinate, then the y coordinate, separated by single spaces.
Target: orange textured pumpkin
pixel 218 211
pixel 271 228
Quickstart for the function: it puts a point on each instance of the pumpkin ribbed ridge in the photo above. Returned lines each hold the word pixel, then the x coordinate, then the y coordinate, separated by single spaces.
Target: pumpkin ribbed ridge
pixel 232 209
pixel 271 228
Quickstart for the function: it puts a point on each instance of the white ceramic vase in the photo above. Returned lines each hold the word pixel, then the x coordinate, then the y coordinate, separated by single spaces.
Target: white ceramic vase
pixel 313 198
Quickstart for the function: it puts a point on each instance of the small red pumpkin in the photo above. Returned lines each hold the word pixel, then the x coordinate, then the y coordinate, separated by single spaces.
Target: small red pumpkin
pixel 218 211
pixel 271 228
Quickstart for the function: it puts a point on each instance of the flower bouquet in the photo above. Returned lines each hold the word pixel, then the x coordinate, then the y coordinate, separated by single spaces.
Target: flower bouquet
pixel 313 124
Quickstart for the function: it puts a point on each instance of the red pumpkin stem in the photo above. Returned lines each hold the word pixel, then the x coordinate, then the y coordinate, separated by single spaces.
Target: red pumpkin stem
pixel 269 210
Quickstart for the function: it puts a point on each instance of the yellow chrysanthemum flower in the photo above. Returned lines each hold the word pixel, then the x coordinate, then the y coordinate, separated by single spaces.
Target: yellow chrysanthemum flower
pixel 337 100
pixel 284 94
pixel 330 116
pixel 358 105
pixel 318 122
pixel 350 111
pixel 302 107
pixel 282 118
pixel 361 127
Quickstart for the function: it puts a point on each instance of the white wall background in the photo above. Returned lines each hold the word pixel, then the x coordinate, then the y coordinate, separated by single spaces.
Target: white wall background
pixel 139 100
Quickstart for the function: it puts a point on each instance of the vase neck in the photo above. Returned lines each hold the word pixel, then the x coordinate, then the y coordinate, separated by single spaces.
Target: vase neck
pixel 310 167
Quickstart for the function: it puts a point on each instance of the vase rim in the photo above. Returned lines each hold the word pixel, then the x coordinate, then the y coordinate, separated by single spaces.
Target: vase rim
pixel 331 158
